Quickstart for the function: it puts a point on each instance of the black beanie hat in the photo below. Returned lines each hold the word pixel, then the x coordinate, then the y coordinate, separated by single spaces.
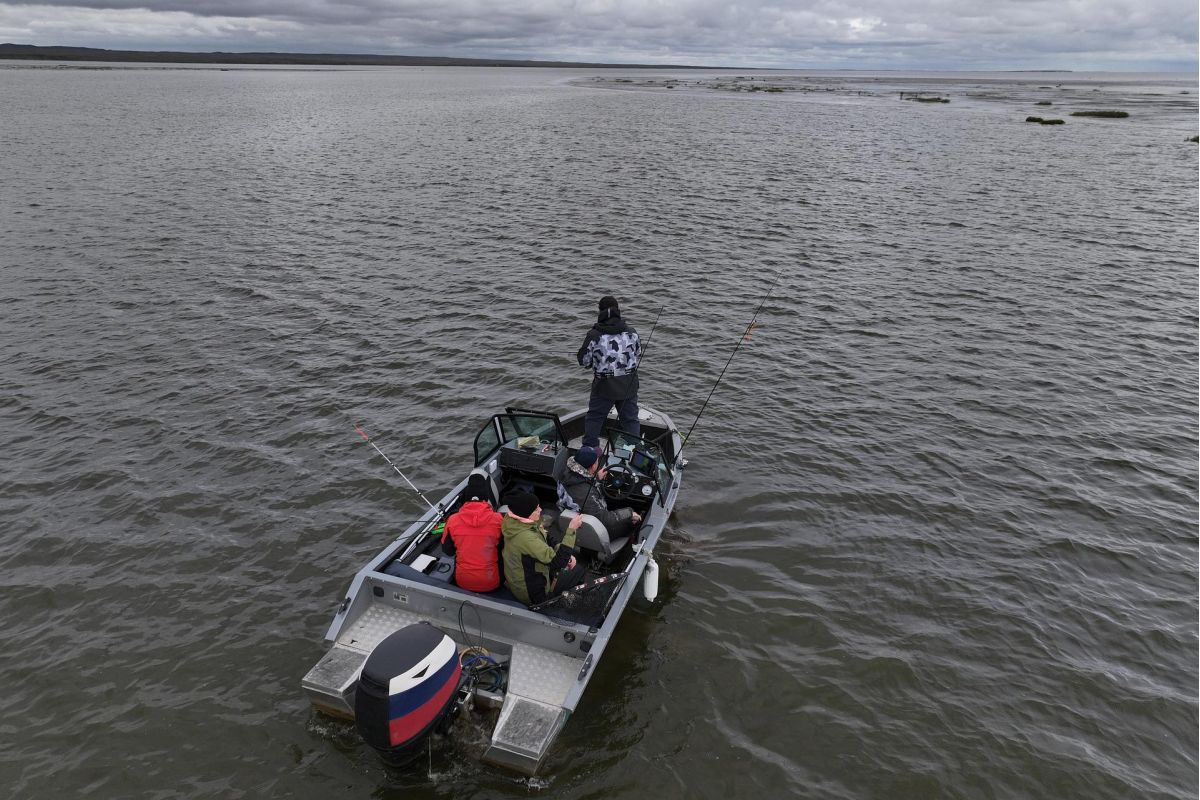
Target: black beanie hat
pixel 608 308
pixel 477 489
pixel 521 503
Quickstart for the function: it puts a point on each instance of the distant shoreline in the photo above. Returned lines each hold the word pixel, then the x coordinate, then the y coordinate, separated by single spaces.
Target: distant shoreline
pixel 39 53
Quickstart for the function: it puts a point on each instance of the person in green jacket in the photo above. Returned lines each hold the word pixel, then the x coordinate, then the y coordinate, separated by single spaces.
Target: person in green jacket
pixel 534 569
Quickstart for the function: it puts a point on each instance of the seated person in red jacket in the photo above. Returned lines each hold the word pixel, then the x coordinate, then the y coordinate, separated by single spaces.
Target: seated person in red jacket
pixel 473 537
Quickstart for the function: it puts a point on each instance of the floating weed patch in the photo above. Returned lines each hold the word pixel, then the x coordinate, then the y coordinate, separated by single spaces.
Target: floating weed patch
pixel 1101 114
pixel 1051 122
pixel 1043 103
pixel 1194 139
pixel 1034 119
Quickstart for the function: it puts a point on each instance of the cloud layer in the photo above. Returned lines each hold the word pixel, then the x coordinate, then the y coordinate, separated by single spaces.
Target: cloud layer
pixel 891 34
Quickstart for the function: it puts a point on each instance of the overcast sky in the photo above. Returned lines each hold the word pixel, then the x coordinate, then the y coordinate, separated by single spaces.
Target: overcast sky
pixel 893 34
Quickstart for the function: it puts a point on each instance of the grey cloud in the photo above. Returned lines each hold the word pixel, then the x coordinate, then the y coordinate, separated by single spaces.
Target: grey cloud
pixel 1014 34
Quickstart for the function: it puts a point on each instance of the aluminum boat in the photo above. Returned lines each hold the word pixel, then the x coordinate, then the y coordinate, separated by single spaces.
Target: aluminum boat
pixel 536 662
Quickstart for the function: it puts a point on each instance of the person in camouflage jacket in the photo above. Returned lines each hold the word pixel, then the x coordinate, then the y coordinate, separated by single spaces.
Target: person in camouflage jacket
pixel 612 350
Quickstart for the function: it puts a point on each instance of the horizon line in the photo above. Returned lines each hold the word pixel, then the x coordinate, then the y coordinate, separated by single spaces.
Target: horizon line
pixel 19 51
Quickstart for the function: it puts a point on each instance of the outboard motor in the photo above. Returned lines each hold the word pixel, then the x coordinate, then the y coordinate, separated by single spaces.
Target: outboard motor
pixel 408 686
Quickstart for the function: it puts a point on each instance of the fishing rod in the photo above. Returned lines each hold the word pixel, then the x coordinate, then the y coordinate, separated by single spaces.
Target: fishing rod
pixel 646 346
pixel 745 333
pixel 577 591
pixel 603 456
pixel 367 439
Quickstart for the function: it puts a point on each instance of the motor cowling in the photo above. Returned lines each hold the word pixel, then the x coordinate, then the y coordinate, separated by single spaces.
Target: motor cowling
pixel 406 688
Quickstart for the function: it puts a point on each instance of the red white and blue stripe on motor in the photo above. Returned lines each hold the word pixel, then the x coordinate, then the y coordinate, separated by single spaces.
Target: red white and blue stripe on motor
pixel 418 695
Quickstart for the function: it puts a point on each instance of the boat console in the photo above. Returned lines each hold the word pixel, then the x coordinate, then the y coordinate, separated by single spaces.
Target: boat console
pixel 533 459
pixel 634 474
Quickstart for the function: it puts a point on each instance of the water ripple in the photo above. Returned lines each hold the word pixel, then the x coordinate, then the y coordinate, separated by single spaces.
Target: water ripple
pixel 938 536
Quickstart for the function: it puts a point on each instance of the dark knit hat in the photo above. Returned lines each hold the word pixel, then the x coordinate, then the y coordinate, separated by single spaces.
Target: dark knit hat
pixel 608 308
pixel 522 504
pixel 477 489
pixel 586 457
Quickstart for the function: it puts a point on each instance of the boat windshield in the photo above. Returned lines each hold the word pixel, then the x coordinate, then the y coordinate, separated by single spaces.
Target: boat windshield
pixel 514 424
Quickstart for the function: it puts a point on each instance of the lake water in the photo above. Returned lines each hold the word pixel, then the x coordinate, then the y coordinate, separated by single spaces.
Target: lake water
pixel 938 535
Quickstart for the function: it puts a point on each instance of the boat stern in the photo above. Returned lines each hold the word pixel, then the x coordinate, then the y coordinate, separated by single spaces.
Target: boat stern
pixel 330 683
pixel 524 733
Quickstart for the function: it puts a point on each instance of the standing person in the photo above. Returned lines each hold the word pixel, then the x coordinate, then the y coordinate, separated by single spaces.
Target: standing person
pixel 534 569
pixel 473 537
pixel 611 350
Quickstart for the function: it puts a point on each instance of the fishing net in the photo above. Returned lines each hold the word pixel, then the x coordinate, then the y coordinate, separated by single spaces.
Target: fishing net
pixel 587 602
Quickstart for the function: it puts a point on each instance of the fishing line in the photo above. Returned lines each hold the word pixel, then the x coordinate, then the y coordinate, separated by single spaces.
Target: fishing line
pixel 745 333
pixel 646 346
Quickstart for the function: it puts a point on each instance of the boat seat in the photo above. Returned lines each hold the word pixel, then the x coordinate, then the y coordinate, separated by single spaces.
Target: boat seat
pixel 500 595
pixel 558 473
pixel 592 535
pixel 560 464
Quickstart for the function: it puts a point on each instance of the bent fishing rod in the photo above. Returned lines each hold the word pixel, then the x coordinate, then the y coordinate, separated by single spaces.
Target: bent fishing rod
pixel 745 333
pixel 367 439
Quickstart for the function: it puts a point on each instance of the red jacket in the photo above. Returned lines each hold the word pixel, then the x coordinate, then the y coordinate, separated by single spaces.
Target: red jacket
pixel 474 535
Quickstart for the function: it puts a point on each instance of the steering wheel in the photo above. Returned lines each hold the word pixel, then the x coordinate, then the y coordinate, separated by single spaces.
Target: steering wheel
pixel 618 482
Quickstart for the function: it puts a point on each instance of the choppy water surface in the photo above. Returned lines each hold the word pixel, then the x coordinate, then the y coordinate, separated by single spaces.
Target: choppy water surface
pixel 938 535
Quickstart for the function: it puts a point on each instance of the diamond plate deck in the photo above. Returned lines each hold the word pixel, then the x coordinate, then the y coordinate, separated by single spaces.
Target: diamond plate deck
pixel 330 683
pixel 376 623
pixel 526 728
pixel 542 675
pixel 337 669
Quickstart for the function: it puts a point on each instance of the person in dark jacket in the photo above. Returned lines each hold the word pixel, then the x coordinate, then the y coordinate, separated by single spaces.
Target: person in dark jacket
pixel 472 536
pixel 612 351
pixel 581 483
pixel 534 569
